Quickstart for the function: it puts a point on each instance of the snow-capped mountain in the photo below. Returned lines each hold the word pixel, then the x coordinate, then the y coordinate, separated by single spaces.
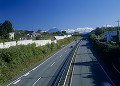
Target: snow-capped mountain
pixel 80 30
pixel 54 29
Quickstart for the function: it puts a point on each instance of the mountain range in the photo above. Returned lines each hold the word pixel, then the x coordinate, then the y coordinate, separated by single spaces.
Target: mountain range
pixel 80 30
pixel 53 30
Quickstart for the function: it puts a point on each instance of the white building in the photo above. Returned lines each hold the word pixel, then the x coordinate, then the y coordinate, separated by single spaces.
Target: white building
pixel 11 35
pixel 110 35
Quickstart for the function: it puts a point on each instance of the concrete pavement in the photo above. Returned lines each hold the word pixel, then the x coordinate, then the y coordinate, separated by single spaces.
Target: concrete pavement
pixel 87 71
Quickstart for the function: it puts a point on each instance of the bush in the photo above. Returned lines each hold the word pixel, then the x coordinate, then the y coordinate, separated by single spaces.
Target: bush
pixel 16 59
pixel 107 53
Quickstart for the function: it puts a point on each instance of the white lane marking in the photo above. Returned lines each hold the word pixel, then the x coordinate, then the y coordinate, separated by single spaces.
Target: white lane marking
pixel 26 74
pixel 36 81
pixel 52 63
pixel 16 81
pixel 40 64
pixel 116 68
pixel 107 75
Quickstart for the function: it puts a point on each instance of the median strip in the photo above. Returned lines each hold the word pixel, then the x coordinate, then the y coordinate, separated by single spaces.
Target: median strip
pixel 64 70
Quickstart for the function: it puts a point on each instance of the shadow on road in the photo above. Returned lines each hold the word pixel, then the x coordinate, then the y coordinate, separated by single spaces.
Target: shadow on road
pixel 89 68
pixel 94 72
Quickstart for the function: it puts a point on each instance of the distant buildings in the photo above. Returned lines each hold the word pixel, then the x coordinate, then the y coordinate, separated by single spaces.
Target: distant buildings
pixel 32 34
pixel 110 36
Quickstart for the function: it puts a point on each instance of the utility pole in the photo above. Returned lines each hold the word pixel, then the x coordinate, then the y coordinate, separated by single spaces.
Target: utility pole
pixel 118 32
pixel 106 26
pixel 118 24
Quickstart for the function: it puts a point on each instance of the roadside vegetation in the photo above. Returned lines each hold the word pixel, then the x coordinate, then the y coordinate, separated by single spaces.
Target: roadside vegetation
pixel 5 29
pixel 16 59
pixel 108 51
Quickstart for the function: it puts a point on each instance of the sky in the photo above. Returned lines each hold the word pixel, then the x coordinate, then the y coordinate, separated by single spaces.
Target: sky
pixel 63 14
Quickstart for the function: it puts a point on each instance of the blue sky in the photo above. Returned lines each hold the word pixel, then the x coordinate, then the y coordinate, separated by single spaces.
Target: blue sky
pixel 63 14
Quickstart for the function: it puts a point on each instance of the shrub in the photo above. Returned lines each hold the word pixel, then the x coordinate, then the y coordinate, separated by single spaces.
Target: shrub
pixel 16 59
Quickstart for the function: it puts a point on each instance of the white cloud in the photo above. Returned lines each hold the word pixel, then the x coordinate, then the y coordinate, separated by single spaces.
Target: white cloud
pixel 80 30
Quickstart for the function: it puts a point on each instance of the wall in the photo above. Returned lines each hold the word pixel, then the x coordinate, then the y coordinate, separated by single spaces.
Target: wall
pixel 26 42
pixel 41 42
pixel 62 37
pixel 9 44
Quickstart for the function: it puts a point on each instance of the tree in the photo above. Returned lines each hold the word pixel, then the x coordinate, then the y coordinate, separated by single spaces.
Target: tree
pixel 76 33
pixel 58 32
pixel 64 32
pixel 38 37
pixel 39 30
pixel 98 31
pixel 5 29
pixel 46 33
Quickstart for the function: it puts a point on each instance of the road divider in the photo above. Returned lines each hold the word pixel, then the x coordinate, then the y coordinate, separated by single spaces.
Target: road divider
pixel 63 75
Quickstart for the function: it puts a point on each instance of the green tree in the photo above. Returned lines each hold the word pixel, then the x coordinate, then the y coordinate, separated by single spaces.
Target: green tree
pixel 38 37
pixel 76 33
pixel 98 31
pixel 58 32
pixel 46 33
pixel 64 32
pixel 39 30
pixel 5 29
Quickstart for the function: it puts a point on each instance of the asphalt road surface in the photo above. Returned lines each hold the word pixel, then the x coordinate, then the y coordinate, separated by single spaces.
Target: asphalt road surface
pixel 87 71
pixel 44 73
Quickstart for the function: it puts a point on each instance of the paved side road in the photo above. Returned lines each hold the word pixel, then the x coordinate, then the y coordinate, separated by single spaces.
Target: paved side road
pixel 43 74
pixel 87 71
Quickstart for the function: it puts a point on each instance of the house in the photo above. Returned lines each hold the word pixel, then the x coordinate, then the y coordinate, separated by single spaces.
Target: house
pixel 32 34
pixel 110 35
pixel 11 35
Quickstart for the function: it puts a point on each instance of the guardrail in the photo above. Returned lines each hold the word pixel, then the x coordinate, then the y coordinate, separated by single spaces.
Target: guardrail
pixel 62 77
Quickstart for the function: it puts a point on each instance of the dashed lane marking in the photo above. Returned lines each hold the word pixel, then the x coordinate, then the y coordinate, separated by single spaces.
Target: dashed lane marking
pixel 52 63
pixel 36 81
pixel 17 81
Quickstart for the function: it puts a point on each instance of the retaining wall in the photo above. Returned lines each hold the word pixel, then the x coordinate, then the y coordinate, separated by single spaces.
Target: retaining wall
pixel 26 42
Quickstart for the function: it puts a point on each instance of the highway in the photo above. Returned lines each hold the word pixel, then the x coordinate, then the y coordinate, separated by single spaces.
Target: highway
pixel 87 71
pixel 44 72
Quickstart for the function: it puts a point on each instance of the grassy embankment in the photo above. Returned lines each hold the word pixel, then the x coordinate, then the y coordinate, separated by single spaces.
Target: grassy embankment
pixel 16 59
